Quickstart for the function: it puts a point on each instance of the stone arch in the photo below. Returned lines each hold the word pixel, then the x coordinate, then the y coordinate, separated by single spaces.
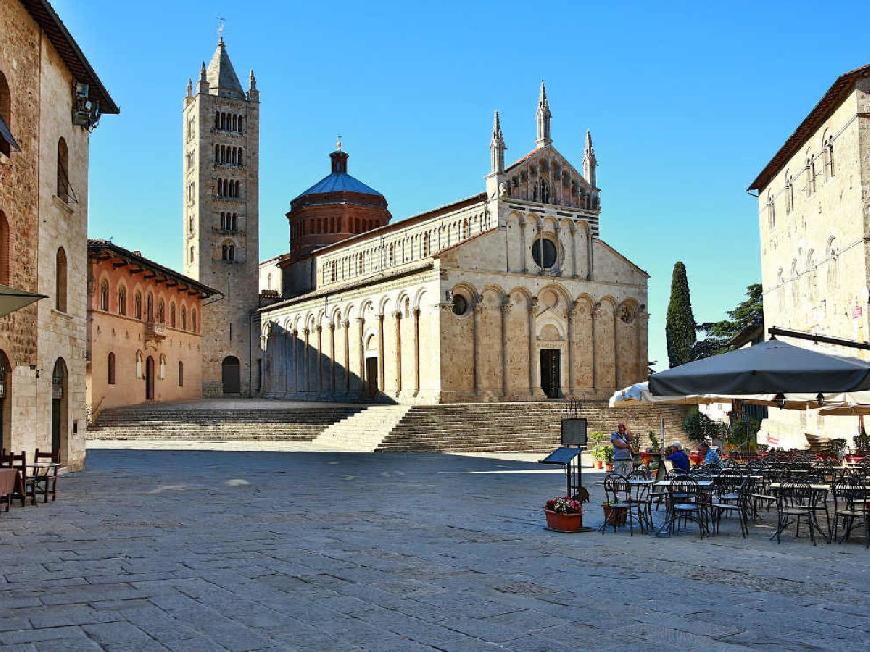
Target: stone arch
pixel 627 343
pixel 563 299
pixel 517 322
pixel 583 343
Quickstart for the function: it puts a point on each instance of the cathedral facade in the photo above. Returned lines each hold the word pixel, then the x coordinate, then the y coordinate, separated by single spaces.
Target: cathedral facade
pixel 508 295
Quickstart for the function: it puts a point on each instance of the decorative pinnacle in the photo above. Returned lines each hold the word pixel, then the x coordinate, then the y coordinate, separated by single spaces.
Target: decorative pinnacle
pixel 588 140
pixel 252 81
pixel 189 87
pixel 202 72
pixel 338 143
pixel 542 99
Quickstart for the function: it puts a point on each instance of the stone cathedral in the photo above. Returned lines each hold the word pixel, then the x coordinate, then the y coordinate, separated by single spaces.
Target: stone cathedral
pixel 508 295
pixel 220 168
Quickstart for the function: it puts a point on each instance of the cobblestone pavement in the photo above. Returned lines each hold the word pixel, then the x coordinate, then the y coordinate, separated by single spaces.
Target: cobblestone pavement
pixel 293 551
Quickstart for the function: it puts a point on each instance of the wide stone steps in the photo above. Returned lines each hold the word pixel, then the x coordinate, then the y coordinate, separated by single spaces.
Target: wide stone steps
pixel 216 424
pixel 362 432
pixel 517 427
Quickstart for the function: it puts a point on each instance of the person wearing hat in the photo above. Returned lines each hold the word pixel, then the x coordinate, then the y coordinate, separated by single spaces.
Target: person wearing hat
pixel 678 457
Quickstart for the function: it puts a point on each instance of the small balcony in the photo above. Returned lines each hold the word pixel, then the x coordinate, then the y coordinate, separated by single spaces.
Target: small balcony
pixel 155 331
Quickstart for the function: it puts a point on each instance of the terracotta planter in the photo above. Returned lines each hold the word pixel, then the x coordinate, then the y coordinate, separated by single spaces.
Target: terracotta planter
pixel 694 457
pixel 645 458
pixel 609 467
pixel 563 522
pixel 614 516
pixel 599 464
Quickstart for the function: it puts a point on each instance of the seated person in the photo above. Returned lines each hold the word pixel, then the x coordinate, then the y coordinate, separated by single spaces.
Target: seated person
pixel 709 455
pixel 678 457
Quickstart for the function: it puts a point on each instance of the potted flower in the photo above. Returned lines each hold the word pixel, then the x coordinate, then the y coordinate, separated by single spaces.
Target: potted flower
pixel 694 458
pixel 598 454
pixel 608 458
pixel 564 514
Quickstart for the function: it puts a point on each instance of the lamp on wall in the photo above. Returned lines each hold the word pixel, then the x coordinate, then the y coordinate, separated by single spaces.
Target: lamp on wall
pixel 33 368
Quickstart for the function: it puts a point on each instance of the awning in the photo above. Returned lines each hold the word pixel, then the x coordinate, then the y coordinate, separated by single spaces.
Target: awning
pixel 639 393
pixel 772 367
pixel 12 299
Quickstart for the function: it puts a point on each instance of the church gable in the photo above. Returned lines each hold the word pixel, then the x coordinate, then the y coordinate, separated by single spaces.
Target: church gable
pixel 545 176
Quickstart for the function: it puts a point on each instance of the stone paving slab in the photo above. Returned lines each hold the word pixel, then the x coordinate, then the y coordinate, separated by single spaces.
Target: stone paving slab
pixel 205 550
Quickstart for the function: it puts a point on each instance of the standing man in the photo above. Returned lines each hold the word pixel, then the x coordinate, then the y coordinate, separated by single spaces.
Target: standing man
pixel 621 440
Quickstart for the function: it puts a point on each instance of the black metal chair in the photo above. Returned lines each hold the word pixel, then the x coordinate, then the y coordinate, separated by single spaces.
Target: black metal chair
pixel 738 501
pixel 617 497
pixel 686 502
pixel 851 504
pixel 44 481
pixel 797 501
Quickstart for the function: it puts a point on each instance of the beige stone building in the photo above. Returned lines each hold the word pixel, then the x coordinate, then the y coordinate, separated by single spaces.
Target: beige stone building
pixel 506 295
pixel 814 205
pixel 144 330
pixel 50 101
pixel 220 169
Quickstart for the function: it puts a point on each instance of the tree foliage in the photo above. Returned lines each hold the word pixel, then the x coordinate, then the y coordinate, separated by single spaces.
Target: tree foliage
pixel 680 327
pixel 718 335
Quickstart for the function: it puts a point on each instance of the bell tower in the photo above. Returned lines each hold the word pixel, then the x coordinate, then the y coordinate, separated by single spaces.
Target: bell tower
pixel 220 170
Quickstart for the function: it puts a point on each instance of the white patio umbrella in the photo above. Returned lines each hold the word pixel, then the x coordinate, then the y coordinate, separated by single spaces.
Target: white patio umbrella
pixel 12 299
pixel 639 393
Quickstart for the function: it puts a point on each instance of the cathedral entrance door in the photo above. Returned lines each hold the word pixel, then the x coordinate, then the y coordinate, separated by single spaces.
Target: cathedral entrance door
pixel 551 372
pixel 372 377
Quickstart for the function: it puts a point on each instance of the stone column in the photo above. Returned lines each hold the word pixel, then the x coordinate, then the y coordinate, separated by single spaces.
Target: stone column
pixel 475 346
pixel 346 327
pixel 319 329
pixel 397 316
pixel 381 356
pixel 307 361
pixel 362 355
pixel 294 355
pixel 533 302
pixel 504 309
pixel 569 321
pixel 416 351
pixel 332 358
pixel 573 230
pixel 539 231
pixel 523 244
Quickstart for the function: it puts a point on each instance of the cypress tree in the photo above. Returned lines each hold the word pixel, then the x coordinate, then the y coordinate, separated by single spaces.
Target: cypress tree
pixel 680 327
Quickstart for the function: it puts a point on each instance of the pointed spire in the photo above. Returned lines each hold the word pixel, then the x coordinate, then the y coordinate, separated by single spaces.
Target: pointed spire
pixel 189 87
pixel 202 76
pixel 496 147
pixel 221 74
pixel 590 163
pixel 542 119
pixel 252 81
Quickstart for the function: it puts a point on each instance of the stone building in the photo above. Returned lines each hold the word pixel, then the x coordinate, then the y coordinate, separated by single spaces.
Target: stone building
pixel 50 101
pixel 144 337
pixel 506 295
pixel 221 125
pixel 814 203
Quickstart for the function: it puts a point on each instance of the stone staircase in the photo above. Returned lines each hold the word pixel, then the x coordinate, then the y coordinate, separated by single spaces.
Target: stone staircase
pixel 517 427
pixel 362 432
pixel 216 423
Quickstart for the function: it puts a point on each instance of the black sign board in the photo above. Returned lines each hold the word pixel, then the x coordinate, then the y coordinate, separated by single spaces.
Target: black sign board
pixel 561 456
pixel 574 432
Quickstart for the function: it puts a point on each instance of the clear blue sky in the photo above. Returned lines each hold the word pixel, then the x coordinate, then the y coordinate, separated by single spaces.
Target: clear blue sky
pixel 686 103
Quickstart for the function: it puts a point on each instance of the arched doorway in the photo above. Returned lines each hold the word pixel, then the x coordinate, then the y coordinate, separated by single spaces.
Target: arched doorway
pixel 59 419
pixel 5 402
pixel 230 375
pixel 149 379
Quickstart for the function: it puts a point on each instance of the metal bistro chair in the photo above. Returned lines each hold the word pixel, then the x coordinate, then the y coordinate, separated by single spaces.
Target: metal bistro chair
pixel 738 501
pixel 45 482
pixel 854 495
pixel 686 502
pixel 796 501
pixel 617 495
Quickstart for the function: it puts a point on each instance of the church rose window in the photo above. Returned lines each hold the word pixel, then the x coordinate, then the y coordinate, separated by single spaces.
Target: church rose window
pixel 460 304
pixel 546 247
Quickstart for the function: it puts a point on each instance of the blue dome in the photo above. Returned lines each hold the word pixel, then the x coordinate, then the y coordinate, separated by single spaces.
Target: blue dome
pixel 340 182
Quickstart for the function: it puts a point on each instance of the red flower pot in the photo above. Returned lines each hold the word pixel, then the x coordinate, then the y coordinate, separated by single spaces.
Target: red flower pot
pixel 608 467
pixel 563 522
pixel 599 464
pixel 645 458
pixel 694 457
